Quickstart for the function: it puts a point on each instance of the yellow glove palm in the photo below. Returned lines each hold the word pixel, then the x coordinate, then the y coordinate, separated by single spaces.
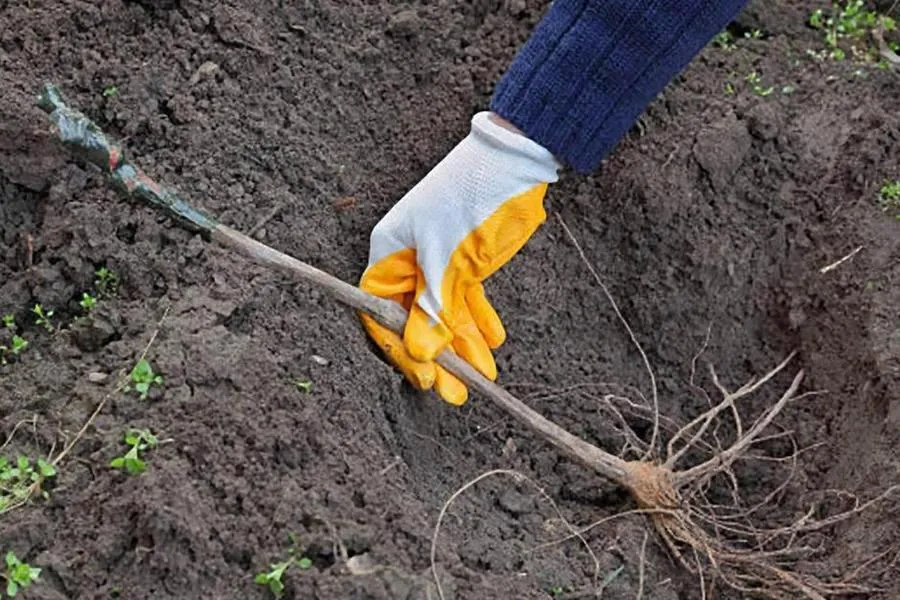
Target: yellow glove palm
pixel 468 217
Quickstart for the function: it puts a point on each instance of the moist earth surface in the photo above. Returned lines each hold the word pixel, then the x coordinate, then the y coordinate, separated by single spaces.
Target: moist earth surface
pixel 717 225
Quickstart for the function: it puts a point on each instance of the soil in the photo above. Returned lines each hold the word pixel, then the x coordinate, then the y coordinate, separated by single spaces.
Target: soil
pixel 712 219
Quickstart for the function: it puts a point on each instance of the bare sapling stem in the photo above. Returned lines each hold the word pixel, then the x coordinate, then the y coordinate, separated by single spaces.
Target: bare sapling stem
pixel 394 316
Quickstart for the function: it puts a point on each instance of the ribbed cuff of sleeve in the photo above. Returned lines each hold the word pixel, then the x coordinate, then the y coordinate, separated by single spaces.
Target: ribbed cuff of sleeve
pixel 591 67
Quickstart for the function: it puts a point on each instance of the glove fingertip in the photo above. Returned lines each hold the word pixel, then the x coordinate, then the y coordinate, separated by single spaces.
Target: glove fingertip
pixel 422 378
pixel 423 338
pixel 449 388
pixel 486 317
pixel 421 375
pixel 495 335
pixel 477 353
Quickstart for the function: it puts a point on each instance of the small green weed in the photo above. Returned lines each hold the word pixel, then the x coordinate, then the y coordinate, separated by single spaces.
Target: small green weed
pixel 850 21
pixel 272 577
pixel 87 302
pixel 18 575
pixel 889 197
pixel 890 190
pixel 106 282
pixel 755 34
pixel 110 91
pixel 42 317
pixel 755 80
pixel 724 40
pixel 17 346
pixel 21 479
pixel 17 343
pixel 557 591
pixel 142 378
pixel 139 440
pixel 303 385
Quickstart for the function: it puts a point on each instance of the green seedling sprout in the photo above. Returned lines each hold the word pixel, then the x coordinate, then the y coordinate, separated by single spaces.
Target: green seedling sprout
pixel 87 302
pixel 18 575
pixel 18 346
pixel 303 385
pixel 107 282
pixel 42 317
pixel 142 378
pixel 110 91
pixel 724 40
pixel 18 343
pixel 890 190
pixel 850 21
pixel 20 480
pixel 889 197
pixel 272 577
pixel 139 440
pixel 755 79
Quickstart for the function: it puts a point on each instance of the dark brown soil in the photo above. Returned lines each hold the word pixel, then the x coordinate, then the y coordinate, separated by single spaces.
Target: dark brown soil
pixel 715 214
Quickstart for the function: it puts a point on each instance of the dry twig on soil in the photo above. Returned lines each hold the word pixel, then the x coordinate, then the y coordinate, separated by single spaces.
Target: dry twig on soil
pixel 518 477
pixel 674 500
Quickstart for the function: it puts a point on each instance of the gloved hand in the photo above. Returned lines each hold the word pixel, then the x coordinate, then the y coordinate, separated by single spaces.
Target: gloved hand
pixel 431 252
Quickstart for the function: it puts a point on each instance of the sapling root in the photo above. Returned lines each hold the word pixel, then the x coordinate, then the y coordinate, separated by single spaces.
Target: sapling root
pixel 716 541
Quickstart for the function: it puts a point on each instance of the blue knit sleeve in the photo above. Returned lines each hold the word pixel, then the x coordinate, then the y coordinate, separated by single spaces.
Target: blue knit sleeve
pixel 591 67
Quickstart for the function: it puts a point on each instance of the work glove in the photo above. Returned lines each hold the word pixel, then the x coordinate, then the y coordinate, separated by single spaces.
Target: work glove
pixel 431 252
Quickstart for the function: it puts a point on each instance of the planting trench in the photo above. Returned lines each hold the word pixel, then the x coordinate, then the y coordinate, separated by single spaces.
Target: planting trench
pixel 714 217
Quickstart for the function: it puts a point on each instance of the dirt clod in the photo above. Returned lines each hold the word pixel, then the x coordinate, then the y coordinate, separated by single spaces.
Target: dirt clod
pixel 721 149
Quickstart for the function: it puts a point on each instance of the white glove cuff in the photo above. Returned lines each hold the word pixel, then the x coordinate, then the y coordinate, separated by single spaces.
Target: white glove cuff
pixel 516 146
